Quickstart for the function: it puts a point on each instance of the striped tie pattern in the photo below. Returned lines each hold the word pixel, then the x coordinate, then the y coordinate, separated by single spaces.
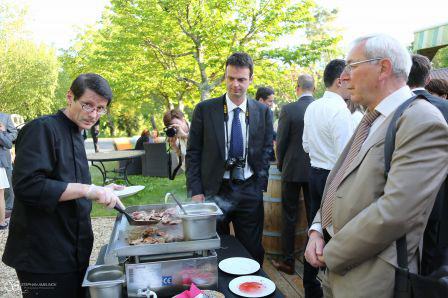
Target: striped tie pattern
pixel 360 137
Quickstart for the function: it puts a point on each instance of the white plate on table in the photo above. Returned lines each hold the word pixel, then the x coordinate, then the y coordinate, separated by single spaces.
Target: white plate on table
pixel 128 191
pixel 239 266
pixel 252 286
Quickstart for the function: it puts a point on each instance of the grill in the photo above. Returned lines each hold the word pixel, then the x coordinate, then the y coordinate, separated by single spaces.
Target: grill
pixel 165 268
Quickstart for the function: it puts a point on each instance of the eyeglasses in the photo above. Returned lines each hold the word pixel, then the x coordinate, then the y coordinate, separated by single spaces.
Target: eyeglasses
pixel 348 68
pixel 89 109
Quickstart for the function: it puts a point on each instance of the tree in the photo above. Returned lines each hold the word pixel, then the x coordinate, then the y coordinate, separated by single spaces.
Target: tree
pixel 28 72
pixel 440 60
pixel 162 54
pixel 190 40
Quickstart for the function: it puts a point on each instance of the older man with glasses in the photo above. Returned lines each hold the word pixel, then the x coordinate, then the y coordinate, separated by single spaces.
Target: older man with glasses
pixel 50 237
pixel 363 212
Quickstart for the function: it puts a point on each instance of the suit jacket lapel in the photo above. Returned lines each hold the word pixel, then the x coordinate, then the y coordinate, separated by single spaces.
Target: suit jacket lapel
pixel 253 120
pixel 218 122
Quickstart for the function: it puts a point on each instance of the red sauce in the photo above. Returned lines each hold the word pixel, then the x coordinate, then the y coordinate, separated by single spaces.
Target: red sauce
pixel 251 287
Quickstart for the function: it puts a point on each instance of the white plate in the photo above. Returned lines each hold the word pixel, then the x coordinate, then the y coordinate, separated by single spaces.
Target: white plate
pixel 129 191
pixel 267 287
pixel 239 266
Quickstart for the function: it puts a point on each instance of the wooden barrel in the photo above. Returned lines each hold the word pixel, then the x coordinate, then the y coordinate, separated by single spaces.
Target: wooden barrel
pixel 272 201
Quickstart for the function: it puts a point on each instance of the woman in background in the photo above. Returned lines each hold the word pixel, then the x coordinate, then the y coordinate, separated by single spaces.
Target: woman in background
pixel 144 138
pixel 177 130
pixel 6 144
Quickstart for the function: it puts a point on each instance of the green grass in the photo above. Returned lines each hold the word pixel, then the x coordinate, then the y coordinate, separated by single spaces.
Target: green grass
pixel 154 192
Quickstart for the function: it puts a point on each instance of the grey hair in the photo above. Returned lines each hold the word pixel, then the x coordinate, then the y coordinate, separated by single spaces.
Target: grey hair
pixel 384 46
pixel 306 82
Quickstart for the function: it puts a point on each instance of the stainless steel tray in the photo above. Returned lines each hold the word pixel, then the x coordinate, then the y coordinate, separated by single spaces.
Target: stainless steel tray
pixel 119 246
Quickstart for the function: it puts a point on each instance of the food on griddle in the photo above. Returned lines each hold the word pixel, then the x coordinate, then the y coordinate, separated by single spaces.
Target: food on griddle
pixel 166 216
pixel 152 235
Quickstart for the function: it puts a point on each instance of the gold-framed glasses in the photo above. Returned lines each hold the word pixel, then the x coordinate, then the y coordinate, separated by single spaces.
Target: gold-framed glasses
pixel 89 108
pixel 348 68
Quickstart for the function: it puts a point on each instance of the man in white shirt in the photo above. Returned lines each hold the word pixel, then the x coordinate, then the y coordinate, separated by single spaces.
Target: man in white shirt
pixel 328 127
pixel 363 212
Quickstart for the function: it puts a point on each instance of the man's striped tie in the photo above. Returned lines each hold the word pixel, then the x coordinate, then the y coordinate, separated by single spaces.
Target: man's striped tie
pixel 360 137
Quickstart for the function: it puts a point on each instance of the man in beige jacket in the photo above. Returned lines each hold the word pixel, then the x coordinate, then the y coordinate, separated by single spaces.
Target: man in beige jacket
pixel 363 213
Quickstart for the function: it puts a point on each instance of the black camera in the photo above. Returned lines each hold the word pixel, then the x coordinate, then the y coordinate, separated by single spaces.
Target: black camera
pixel 170 131
pixel 235 166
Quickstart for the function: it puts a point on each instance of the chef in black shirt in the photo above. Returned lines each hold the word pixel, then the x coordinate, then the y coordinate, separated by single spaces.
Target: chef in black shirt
pixel 50 237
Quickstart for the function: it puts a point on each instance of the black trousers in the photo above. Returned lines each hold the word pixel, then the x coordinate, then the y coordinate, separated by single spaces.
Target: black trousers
pixel 290 204
pixel 435 252
pixel 54 285
pixel 242 205
pixel 317 180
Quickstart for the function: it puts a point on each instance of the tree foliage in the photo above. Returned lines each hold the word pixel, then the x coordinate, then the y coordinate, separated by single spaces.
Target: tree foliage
pixel 28 72
pixel 441 58
pixel 159 54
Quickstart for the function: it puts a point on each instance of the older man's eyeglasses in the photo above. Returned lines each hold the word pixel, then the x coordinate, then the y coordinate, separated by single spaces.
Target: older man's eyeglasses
pixel 89 108
pixel 349 67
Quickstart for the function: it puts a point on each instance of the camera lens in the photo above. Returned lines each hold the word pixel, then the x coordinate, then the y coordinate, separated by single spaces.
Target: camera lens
pixel 170 131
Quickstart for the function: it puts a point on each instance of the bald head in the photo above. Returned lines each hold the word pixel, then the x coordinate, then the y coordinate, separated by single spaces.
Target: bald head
pixel 305 82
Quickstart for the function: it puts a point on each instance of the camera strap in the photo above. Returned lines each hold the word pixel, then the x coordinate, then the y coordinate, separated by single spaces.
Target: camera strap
pixel 226 120
pixel 172 175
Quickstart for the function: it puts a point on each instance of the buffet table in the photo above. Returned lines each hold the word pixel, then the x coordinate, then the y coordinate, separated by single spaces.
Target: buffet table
pixel 230 247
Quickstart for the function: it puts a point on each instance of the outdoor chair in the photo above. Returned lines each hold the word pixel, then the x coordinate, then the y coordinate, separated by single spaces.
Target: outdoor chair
pixel 155 160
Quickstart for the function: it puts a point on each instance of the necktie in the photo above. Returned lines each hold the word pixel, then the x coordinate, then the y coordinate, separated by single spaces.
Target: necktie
pixel 236 137
pixel 360 137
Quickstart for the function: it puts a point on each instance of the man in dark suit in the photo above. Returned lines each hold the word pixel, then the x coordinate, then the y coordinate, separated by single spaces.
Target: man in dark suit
pixel 294 164
pixel 265 95
pixel 435 238
pixel 232 127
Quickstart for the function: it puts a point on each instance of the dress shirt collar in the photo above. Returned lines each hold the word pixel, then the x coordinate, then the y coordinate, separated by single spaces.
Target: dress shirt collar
pixel 331 95
pixel 391 102
pixel 418 88
pixel 305 94
pixel 231 106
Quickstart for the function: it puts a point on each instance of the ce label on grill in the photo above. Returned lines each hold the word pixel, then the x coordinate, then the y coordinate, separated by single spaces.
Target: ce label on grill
pixel 143 276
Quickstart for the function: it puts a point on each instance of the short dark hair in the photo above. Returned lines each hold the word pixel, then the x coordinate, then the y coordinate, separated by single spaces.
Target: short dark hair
pixel 264 93
pixel 333 71
pixel 420 70
pixel 94 82
pixel 438 86
pixel 243 60
pixel 172 114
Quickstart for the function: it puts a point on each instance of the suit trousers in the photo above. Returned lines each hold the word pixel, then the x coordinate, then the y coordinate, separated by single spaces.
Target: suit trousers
pixel 242 205
pixel 317 180
pixel 52 285
pixel 290 203
pixel 9 193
